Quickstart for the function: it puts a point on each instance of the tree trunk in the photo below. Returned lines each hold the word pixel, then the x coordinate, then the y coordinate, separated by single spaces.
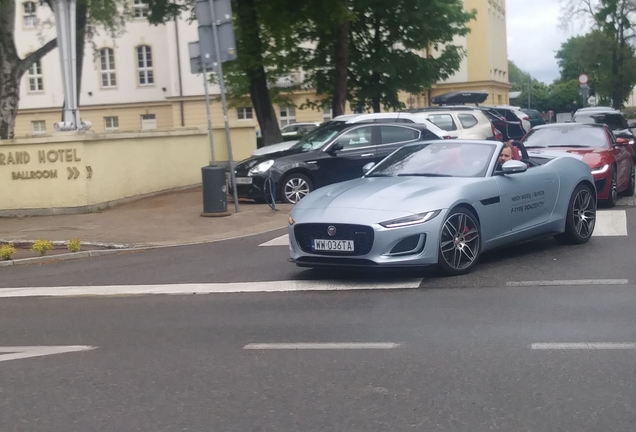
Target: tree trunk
pixel 376 104
pixel 247 20
pixel 341 66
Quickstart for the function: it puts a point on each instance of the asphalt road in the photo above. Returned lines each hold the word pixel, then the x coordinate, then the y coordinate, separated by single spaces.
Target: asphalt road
pixel 464 362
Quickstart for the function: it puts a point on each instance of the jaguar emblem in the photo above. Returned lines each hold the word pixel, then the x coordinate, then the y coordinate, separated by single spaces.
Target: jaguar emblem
pixel 331 230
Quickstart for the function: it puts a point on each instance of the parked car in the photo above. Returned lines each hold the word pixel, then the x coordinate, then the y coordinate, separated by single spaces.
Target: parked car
pixel 525 118
pixel 536 119
pixel 359 118
pixel 610 158
pixel 332 153
pixel 442 203
pixel 294 131
pixel 610 117
pixel 461 124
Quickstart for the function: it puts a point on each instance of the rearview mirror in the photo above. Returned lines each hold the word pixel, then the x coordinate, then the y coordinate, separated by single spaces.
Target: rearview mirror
pixel 367 167
pixel 513 167
pixel 622 141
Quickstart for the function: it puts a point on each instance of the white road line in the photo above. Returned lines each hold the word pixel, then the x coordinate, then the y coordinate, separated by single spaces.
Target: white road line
pixel 584 346
pixel 21 352
pixel 278 241
pixel 208 288
pixel 610 223
pixel 568 282
pixel 321 346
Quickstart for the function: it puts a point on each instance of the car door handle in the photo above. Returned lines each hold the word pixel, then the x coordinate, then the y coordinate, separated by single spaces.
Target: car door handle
pixel 367 155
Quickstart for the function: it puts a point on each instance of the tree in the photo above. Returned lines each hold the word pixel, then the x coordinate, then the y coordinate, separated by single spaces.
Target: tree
pixel 614 19
pixel 107 14
pixel 518 78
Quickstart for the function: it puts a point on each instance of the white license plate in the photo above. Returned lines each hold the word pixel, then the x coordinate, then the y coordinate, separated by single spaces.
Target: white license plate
pixel 244 180
pixel 332 245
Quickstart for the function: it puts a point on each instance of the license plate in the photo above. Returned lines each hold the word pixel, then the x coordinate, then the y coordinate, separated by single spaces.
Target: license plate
pixel 244 180
pixel 332 245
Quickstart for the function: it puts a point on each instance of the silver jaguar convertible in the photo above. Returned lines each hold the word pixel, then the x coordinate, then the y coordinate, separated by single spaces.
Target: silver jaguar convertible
pixel 443 203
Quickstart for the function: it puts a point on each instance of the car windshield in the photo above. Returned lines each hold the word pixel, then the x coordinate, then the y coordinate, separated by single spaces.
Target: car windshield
pixel 437 159
pixel 611 120
pixel 320 136
pixel 567 136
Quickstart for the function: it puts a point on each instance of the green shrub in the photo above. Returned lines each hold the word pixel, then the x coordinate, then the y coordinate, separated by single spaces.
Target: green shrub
pixel 42 246
pixel 74 245
pixel 7 251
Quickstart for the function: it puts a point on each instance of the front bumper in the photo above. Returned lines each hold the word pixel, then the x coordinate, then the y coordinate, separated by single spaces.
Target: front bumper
pixel 255 190
pixel 374 245
pixel 603 183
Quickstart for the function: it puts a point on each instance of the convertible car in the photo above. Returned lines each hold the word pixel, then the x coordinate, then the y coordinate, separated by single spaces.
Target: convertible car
pixel 443 203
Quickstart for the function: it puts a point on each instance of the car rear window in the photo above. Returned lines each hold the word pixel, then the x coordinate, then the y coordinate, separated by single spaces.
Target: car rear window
pixel 467 120
pixel 613 121
pixel 567 136
pixel 443 121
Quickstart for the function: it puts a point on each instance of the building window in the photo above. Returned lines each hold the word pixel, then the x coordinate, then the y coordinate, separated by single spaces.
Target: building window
pixel 36 83
pixel 287 115
pixel 148 121
pixel 38 127
pixel 111 123
pixel 107 65
pixel 327 113
pixel 144 65
pixel 244 113
pixel 30 18
pixel 141 9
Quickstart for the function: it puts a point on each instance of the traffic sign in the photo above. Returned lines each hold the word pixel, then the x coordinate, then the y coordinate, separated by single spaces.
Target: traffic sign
pixel 583 79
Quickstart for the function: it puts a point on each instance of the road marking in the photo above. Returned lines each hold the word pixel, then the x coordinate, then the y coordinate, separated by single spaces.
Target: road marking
pixel 278 241
pixel 610 223
pixel 321 346
pixel 584 346
pixel 207 288
pixel 21 352
pixel 568 282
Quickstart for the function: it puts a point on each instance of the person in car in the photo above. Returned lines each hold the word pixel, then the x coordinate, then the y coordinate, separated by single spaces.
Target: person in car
pixel 504 156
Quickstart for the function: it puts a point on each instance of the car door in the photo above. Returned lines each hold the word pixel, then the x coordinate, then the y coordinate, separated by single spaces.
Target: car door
pixel 447 123
pixel 358 149
pixel 514 128
pixel 394 137
pixel 528 198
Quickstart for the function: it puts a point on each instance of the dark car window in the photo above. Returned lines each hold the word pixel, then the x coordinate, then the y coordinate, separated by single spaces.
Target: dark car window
pixel 533 114
pixel 360 137
pixel 613 121
pixel 392 134
pixel 467 120
pixel 443 121
pixel 507 114
pixel 320 136
pixel 567 136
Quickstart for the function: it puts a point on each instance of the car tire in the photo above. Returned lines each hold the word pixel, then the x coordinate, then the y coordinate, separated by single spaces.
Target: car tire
pixel 580 218
pixel 459 242
pixel 632 183
pixel 613 192
pixel 295 187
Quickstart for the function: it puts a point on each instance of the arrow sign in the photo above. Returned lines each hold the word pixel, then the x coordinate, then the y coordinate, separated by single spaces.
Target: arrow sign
pixel 89 172
pixel 73 173
pixel 20 352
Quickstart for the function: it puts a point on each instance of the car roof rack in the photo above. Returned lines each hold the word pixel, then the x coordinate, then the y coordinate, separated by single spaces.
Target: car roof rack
pixel 459 97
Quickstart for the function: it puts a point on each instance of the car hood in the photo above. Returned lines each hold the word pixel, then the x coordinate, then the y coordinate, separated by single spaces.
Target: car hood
pixel 405 194
pixel 592 157
pixel 274 148
pixel 245 165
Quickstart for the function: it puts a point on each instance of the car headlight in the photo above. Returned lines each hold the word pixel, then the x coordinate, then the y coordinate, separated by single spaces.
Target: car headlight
pixel 600 169
pixel 261 167
pixel 410 220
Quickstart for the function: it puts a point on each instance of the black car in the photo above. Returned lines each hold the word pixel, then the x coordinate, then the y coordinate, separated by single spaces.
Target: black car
pixel 330 154
pixel 535 117
pixel 615 121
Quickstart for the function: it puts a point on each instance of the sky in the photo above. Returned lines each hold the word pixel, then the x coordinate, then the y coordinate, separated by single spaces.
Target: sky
pixel 535 35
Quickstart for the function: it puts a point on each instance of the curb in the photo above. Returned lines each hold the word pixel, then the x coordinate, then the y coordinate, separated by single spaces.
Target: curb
pixel 113 249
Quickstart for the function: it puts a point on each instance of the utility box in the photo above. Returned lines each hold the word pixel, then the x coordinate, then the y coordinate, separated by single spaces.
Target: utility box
pixel 214 191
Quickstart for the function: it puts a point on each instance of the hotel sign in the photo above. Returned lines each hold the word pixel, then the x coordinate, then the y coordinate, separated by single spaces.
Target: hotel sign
pixel 29 165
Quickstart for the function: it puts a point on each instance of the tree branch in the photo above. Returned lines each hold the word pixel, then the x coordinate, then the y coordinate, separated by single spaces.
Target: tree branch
pixel 36 55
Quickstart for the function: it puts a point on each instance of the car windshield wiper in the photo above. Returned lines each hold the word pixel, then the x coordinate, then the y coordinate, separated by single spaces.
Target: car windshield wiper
pixel 424 175
pixel 379 175
pixel 569 145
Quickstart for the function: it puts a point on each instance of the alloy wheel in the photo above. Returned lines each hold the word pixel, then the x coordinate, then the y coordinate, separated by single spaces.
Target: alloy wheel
pixel 460 241
pixel 295 189
pixel 584 213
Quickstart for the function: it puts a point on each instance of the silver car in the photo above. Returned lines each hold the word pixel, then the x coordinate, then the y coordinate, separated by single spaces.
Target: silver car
pixel 443 203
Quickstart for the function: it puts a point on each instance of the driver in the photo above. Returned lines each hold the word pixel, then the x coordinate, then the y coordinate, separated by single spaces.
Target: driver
pixel 504 156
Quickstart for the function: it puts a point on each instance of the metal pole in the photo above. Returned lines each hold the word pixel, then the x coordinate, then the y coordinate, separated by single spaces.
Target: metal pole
pixel 207 107
pixel 529 89
pixel 219 66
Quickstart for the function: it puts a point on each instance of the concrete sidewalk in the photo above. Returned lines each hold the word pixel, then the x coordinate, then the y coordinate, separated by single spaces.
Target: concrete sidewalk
pixel 163 220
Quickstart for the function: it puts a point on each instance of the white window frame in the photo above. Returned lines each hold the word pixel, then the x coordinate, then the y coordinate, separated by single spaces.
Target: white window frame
pixel 30 16
pixel 148 121
pixel 108 73
pixel 114 123
pixel 141 8
pixel 287 115
pixel 144 66
pixel 37 130
pixel 36 78
pixel 245 113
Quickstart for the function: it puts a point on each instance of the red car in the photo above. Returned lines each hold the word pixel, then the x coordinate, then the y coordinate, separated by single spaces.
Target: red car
pixel 610 158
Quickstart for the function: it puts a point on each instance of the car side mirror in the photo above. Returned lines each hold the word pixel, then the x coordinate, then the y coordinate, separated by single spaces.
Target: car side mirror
pixel 514 167
pixel 622 141
pixel 367 167
pixel 335 148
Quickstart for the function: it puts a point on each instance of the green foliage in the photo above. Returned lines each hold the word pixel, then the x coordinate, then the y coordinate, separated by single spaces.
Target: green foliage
pixel 74 245
pixel 7 251
pixel 42 246
pixel 518 78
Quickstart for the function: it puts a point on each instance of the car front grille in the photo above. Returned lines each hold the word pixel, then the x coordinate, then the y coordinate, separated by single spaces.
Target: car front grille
pixel 600 185
pixel 361 235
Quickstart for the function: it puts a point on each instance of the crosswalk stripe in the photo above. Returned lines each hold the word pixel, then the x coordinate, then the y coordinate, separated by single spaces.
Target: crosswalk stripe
pixel 609 223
